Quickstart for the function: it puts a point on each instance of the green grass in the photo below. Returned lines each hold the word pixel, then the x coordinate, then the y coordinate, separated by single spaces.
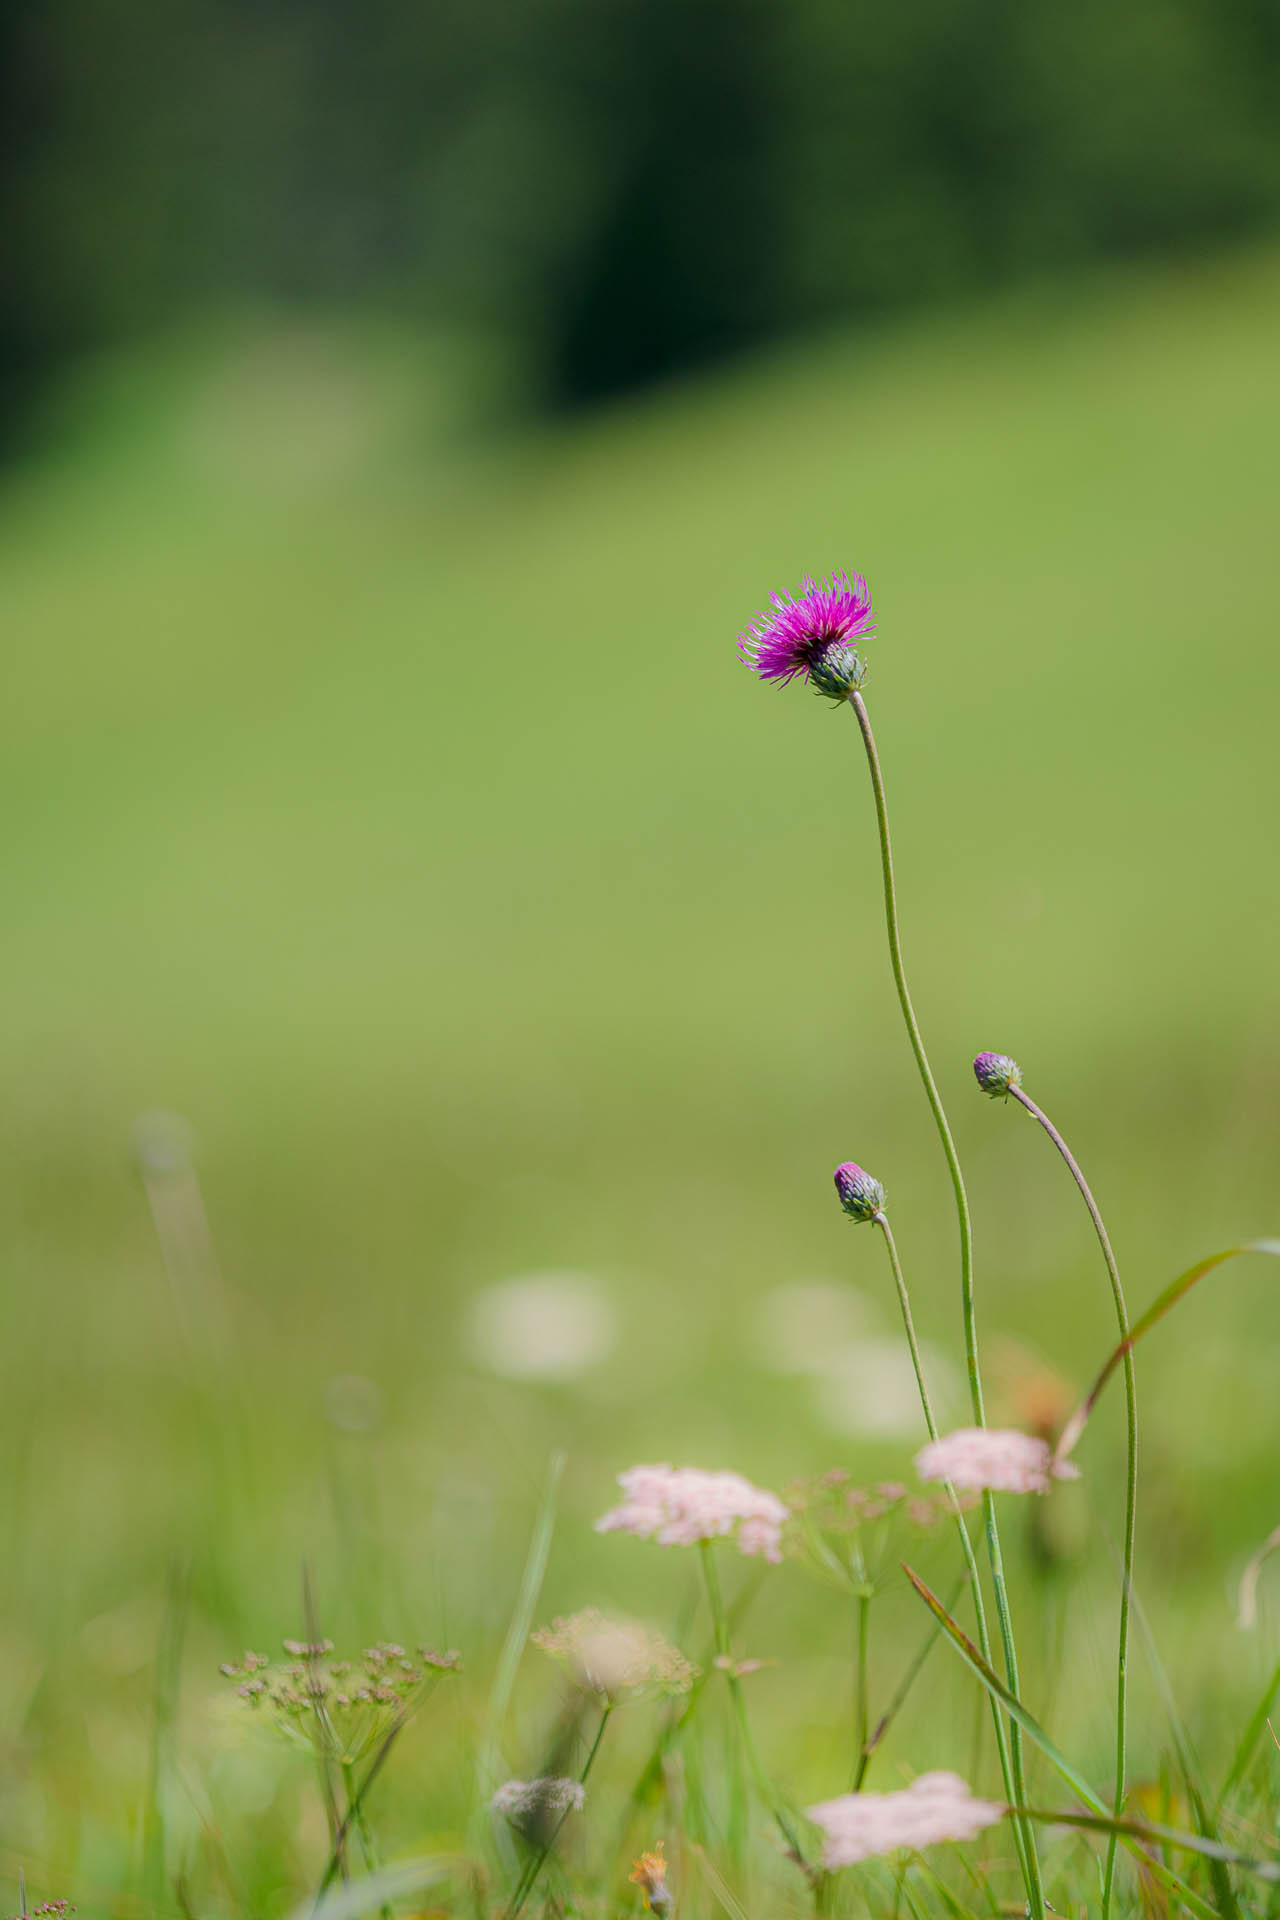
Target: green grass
pixel 390 804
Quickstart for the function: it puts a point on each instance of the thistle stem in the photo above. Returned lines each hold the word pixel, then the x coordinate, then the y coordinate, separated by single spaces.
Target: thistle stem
pixel 1031 1866
pixel 966 1544
pixel 1131 1481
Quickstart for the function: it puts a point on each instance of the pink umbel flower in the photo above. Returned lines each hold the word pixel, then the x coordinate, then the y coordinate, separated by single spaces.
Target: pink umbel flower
pixel 937 1806
pixel 678 1506
pixel 995 1459
pixel 815 635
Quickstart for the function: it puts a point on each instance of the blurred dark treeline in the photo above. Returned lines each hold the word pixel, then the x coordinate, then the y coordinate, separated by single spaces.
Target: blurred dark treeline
pixel 622 187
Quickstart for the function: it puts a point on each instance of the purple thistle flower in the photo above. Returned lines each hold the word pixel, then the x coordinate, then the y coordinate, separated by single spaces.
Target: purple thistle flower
pixel 995 1073
pixel 861 1194
pixel 815 635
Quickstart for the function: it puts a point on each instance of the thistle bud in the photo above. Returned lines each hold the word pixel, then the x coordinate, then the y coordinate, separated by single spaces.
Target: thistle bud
pixel 997 1074
pixel 861 1194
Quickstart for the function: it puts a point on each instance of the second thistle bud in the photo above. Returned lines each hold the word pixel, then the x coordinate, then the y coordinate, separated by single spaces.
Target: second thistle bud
pixel 997 1073
pixel 861 1194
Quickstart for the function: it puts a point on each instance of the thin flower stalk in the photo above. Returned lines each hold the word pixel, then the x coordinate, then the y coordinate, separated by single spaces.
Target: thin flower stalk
pixel 1035 1892
pixel 880 1219
pixel 1131 1476
pixel 747 1745
pixel 528 1879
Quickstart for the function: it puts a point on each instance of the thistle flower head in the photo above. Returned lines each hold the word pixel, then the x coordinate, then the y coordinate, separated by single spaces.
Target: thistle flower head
pixel 815 635
pixel 679 1506
pixel 936 1807
pixel 998 1459
pixel 861 1194
pixel 650 1873
pixel 997 1073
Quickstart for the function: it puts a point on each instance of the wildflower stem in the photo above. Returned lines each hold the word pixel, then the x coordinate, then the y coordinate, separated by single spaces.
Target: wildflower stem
pixel 862 1727
pixel 338 1854
pixel 1028 1852
pixel 966 1544
pixel 356 1813
pixel 1131 1482
pixel 764 1785
pixel 529 1878
pixel 720 1627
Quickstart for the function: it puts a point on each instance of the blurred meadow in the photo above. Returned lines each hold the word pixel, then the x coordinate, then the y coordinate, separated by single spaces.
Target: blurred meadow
pixel 438 982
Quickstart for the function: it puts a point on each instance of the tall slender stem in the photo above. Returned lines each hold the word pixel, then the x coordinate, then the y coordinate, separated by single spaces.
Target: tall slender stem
pixel 1035 1892
pixel 1131 1482
pixel 966 1544
pixel 529 1877
pixel 355 1812
pixel 862 1708
pixel 749 1750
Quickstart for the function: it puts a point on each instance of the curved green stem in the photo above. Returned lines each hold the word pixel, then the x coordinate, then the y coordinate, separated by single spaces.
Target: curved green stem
pixel 1131 1483
pixel 966 1544
pixel 1035 1892
pixel 750 1752
pixel 529 1877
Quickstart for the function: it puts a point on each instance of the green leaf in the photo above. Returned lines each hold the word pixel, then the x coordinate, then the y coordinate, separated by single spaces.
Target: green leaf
pixel 1154 1835
pixel 1034 1731
pixel 1252 1734
pixel 1162 1304
pixel 398 1882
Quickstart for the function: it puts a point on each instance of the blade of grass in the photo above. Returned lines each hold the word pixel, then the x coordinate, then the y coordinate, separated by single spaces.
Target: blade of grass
pixel 1034 1731
pixel 1251 1736
pixel 164 1716
pixel 905 1685
pixel 1163 1303
pixel 338 1853
pixel 1155 1835
pixel 517 1637
pixel 1192 1774
pixel 396 1882
pixel 720 1888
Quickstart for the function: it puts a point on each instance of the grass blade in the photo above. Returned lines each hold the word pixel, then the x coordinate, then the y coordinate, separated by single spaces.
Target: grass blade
pixel 996 1687
pixel 1162 1304
pixel 517 1638
pixel 1252 1734
pixel 904 1687
pixel 396 1882
pixel 1074 1779
pixel 719 1887
pixel 1158 1836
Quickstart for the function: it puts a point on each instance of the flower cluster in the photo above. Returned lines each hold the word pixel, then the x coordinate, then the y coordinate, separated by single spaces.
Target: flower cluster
pixel 678 1506
pixel 521 1800
pixel 937 1806
pixel 615 1659
pixel 814 636
pixel 994 1459
pixel 832 1503
pixel 47 1910
pixel 356 1697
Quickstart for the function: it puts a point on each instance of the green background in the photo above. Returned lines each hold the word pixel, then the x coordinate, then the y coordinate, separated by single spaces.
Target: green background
pixel 388 802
